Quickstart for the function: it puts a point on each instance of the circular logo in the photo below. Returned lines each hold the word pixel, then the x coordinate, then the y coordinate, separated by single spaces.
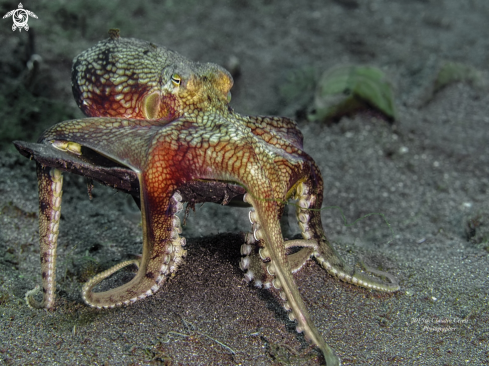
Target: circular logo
pixel 20 18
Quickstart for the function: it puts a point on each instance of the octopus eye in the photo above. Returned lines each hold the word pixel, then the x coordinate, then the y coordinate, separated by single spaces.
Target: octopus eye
pixel 176 79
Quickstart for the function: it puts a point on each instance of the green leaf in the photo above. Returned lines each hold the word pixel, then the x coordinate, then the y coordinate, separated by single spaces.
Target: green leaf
pixel 343 90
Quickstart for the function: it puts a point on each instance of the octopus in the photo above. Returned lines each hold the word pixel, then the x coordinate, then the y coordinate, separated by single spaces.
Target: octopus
pixel 160 127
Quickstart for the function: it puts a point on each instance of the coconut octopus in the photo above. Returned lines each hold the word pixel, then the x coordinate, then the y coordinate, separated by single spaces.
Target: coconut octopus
pixel 160 127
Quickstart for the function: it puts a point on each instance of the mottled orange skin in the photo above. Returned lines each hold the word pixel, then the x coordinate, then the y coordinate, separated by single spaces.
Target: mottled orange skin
pixel 168 119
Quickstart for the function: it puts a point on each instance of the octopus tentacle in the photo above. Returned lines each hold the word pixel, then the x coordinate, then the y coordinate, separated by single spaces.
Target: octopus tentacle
pixel 275 130
pixel 92 282
pixel 253 264
pixel 162 253
pixel 309 217
pixel 268 231
pixel 50 182
pixel 298 259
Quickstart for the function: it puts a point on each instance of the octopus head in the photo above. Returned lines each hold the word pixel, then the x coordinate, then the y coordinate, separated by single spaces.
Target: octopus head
pixel 200 87
pixel 129 78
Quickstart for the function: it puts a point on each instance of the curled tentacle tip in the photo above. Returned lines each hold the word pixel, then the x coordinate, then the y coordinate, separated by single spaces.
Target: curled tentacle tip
pixel 29 298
